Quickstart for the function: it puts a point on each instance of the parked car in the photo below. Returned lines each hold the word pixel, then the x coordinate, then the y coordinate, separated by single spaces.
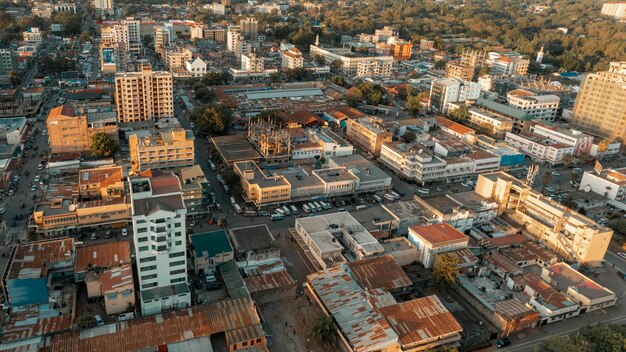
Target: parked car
pixel 211 278
pixel 622 255
pixel 423 191
pixel 503 342
pixel 99 320
pixel 94 236
pixel 124 232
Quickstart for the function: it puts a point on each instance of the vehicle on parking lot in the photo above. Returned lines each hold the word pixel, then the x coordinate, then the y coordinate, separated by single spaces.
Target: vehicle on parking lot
pixel 126 316
pixel 237 208
pixel 312 207
pixel 218 206
pixel 40 166
pixel 549 189
pixel 389 197
pixel 341 210
pixel 94 236
pixel 99 320
pixel 33 188
pixel 396 194
pixel 232 201
pixel 622 255
pixel 276 216
pixel 16 178
pixel 211 278
pixel 503 342
pixel 280 211
pixel 11 192
pixel 107 234
pixel 577 170
pixel 286 210
pixel 423 191
pixel 294 210
pixel 306 208
pixel 37 178
pixel 124 232
pixel 317 206
pixel 325 205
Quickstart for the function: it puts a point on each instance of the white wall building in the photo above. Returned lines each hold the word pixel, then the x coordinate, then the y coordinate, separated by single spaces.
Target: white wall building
pixel 581 142
pixel 197 67
pixel 434 239
pixel 350 62
pixel 292 58
pixel 609 183
pixel 538 147
pixel 541 107
pixel 160 241
pixel 450 90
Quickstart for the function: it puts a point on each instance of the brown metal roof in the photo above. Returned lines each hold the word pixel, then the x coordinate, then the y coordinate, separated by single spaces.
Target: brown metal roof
pixel 34 258
pixel 103 255
pixel 269 281
pixel 379 272
pixel 421 320
pixel 153 332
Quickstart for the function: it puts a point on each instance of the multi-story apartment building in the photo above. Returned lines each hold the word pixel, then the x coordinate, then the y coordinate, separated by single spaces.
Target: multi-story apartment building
pixel 521 120
pixel 112 57
pixel 292 58
pixel 249 28
pixel 162 39
pixel 196 190
pixel 368 134
pixel 144 95
pixel 215 34
pixel 616 9
pixel 103 6
pixel 197 32
pixel 125 31
pixel 560 134
pixel 169 149
pixel 455 69
pixel 32 35
pixel 539 147
pixel 447 90
pixel 65 7
pixel 540 107
pixel 176 57
pixel 350 62
pixel 70 130
pixel 160 241
pixel 252 63
pixel 401 50
pixel 491 124
pixel 373 68
pixel 8 62
pixel 508 64
pixel 563 230
pixel 42 10
pixel 600 107
pixel 232 32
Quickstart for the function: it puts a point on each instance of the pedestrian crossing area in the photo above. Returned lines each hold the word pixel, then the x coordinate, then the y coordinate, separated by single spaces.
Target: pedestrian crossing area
pixel 10 234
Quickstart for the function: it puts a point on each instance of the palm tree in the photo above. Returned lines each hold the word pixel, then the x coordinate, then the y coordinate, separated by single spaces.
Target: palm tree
pixel 324 331
pixel 223 222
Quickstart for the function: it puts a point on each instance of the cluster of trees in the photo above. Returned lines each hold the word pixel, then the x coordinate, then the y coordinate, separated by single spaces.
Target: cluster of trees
pixel 102 145
pixel 601 337
pixel 592 41
pixel 368 93
pixel 414 100
pixel 212 119
pixel 56 63
pixel 12 29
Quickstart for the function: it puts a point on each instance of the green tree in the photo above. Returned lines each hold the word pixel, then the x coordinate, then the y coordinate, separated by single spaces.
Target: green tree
pixel 445 269
pixel 339 80
pixel 336 65
pixel 584 157
pixel 86 321
pixel 215 78
pixel 461 114
pixel 319 60
pixel 84 37
pixel 274 77
pixel 212 119
pixel 567 160
pixel 440 64
pixel 603 146
pixel 590 338
pixel 102 145
pixel 297 74
pixel 545 180
pixel 203 93
pixel 223 222
pixel 413 105
pixel 409 137
pixel 354 96
pixel 324 331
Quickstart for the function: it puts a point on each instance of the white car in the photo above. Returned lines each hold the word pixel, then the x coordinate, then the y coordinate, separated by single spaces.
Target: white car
pixel 621 255
pixel 37 178
pixel 423 191
pixel 2 210
pixel 124 232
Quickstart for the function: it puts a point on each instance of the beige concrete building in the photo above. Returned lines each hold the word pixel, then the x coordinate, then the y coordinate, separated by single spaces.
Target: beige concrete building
pixel 144 95
pixel 292 58
pixel 118 289
pixel 70 130
pixel 350 61
pixel 161 150
pixel 568 233
pixel 604 114
pixel 459 70
pixel 616 9
pixel 260 188
pixel 368 134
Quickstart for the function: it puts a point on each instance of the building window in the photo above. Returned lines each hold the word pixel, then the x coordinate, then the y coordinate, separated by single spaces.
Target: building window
pixel 148 268
pixel 127 293
pixel 112 296
pixel 144 248
pixel 177 280
pixel 142 239
pixel 148 277
pixel 142 230
pixel 176 272
pixel 178 254
pixel 177 263
pixel 145 286
pixel 147 259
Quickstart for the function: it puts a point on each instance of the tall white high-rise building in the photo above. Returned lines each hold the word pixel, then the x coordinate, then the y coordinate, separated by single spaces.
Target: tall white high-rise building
pixel 158 217
pixel 539 58
pixel 102 6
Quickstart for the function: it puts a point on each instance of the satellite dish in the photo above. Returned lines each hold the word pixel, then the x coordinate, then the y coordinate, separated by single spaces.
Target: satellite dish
pixel 72 207
pixel 587 188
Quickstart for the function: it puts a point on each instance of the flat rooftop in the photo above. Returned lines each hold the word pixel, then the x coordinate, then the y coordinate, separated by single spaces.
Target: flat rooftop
pixel 409 209
pixel 251 238
pixel 104 255
pixel 337 174
pixel 235 148
pixel 284 93
pixel 565 278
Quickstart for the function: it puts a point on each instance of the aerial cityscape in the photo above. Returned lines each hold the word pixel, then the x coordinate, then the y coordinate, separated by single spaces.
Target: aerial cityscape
pixel 313 175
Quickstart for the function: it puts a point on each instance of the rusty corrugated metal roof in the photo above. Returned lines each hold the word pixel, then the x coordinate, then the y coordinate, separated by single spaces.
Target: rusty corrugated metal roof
pixel 379 272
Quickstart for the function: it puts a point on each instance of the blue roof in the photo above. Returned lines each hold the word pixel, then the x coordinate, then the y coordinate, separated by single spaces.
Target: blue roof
pixel 569 74
pixel 210 243
pixel 27 291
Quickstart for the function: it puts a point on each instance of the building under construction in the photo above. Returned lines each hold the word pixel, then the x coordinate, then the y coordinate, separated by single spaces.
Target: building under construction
pixel 538 85
pixel 272 142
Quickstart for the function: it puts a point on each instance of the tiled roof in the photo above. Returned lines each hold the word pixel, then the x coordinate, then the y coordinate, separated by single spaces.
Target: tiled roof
pixel 454 126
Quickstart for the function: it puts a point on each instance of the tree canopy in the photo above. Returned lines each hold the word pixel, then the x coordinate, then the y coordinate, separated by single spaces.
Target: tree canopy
pixel 102 145
pixel 445 269
pixel 212 119
pixel 596 338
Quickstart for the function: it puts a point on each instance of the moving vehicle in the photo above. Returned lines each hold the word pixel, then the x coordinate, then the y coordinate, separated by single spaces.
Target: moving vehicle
pixel 276 217
pixel 622 255
pixel 377 197
pixel 211 278
pixel 423 191
pixel 389 197
pixel 359 207
pixel 212 165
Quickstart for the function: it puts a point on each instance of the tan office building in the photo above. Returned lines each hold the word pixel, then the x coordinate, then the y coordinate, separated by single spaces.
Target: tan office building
pixel 70 130
pixel 600 107
pixel 259 187
pixel 144 95
pixel 368 134
pixel 169 149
